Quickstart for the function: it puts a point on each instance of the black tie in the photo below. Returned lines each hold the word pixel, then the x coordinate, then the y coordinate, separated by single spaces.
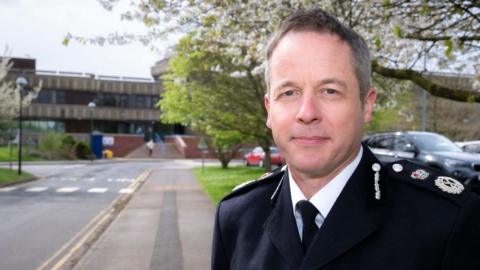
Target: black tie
pixel 308 212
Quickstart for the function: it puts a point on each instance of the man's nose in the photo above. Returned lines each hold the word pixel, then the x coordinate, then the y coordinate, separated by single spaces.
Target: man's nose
pixel 309 111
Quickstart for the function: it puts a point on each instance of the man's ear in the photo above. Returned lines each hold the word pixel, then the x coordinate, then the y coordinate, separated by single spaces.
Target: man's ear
pixel 368 105
pixel 266 100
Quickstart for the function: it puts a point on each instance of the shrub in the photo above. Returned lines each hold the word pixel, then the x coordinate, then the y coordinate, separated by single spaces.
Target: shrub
pixel 82 150
pixel 57 146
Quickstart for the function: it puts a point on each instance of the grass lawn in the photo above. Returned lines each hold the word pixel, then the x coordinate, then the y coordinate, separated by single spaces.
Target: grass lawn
pixel 8 176
pixel 218 182
pixel 5 154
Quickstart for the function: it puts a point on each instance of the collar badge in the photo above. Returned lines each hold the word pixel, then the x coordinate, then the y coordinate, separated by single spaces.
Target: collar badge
pixel 420 174
pixel 449 185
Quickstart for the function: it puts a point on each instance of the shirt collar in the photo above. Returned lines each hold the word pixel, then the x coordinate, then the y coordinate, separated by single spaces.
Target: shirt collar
pixel 324 199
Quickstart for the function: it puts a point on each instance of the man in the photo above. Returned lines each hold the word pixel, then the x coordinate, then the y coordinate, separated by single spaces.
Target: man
pixel 334 206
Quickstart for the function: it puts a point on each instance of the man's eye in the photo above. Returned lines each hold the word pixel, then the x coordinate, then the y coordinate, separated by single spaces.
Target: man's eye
pixel 330 91
pixel 288 93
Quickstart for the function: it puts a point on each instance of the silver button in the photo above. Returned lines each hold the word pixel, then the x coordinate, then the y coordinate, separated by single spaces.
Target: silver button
pixel 397 167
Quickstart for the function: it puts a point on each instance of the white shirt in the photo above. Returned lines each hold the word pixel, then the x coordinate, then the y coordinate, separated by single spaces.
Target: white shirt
pixel 324 199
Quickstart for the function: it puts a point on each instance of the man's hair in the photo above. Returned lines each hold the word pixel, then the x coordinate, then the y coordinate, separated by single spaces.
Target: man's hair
pixel 319 21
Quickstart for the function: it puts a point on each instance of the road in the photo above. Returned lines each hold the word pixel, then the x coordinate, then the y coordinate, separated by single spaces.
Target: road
pixel 39 217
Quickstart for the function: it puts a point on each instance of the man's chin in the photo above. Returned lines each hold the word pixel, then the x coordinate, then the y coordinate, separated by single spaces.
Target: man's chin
pixel 308 167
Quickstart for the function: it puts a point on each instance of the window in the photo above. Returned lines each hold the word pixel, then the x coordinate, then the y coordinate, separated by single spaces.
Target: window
pixel 45 97
pixel 59 97
pixel 123 101
pixel 109 100
pixel 403 144
pixel 140 101
pixel 382 142
pixel 155 100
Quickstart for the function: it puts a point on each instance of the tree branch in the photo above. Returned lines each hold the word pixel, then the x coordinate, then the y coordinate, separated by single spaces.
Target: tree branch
pixel 430 86
pixel 440 38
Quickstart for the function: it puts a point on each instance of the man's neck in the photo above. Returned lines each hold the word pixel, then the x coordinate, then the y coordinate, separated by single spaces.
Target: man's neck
pixel 310 183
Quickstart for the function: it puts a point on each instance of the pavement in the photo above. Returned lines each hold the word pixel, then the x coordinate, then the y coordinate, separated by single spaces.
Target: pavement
pixel 167 225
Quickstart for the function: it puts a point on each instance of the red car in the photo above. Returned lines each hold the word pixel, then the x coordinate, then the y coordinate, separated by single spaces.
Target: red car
pixel 256 156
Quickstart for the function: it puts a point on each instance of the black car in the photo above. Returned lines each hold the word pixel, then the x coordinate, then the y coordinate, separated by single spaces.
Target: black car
pixel 428 148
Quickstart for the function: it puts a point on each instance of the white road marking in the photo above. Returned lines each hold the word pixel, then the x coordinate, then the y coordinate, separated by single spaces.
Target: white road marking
pixel 125 180
pixel 36 189
pixel 7 189
pixel 91 179
pixel 126 190
pixel 67 189
pixel 97 190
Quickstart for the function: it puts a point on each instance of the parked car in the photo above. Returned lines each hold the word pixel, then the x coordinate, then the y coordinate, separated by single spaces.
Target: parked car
pixel 428 148
pixel 257 155
pixel 470 146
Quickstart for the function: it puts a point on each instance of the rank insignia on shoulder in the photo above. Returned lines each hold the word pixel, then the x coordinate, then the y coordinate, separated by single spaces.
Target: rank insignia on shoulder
pixel 265 175
pixel 420 174
pixel 449 185
pixel 243 184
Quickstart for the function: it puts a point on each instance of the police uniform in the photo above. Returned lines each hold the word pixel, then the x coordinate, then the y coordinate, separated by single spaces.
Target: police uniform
pixel 393 216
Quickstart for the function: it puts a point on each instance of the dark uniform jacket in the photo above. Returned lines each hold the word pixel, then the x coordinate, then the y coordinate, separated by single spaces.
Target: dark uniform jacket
pixel 418 222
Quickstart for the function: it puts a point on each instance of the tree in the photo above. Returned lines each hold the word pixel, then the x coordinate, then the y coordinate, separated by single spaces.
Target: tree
pixel 407 38
pixel 10 94
pixel 216 98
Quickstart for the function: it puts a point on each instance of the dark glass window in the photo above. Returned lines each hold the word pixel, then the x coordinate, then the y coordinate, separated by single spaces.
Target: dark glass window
pixel 383 142
pixel 123 101
pixel 45 97
pixel 404 144
pixel 109 100
pixel 155 100
pixel 131 101
pixel 148 102
pixel 140 101
pixel 60 97
pixel 100 99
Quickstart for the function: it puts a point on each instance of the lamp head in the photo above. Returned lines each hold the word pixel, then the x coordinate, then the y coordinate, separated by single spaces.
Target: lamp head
pixel 21 81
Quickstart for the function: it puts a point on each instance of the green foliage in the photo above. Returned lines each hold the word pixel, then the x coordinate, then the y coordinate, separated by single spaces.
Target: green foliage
pixel 397 31
pixel 218 182
pixel 394 106
pixel 5 154
pixel 59 146
pixel 449 47
pixel 202 93
pixel 82 150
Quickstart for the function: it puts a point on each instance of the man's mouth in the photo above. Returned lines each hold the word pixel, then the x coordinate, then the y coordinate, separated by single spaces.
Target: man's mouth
pixel 309 140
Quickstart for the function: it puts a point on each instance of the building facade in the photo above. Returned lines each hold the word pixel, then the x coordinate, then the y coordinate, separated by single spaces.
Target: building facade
pixel 122 105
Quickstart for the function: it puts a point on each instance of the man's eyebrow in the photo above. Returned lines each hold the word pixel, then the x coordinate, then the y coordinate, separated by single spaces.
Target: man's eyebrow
pixel 287 83
pixel 283 84
pixel 340 82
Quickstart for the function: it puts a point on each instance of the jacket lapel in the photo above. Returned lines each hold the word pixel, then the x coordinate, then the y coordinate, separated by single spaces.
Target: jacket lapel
pixel 350 220
pixel 282 229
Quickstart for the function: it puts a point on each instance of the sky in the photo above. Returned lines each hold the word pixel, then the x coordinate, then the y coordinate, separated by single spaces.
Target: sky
pixel 36 29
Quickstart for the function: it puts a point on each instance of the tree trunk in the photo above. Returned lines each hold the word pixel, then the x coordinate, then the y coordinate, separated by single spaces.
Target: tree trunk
pixel 267 160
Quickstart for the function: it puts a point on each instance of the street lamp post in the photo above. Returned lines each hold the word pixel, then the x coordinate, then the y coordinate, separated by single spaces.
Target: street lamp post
pixel 91 106
pixel 21 83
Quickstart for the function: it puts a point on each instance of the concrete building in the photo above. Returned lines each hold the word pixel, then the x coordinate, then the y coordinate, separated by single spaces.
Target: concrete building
pixel 125 107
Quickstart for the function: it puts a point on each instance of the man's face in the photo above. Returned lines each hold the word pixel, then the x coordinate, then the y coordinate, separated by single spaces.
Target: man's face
pixel 314 107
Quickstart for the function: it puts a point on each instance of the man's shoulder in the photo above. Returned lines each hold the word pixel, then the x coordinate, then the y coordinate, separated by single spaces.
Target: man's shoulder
pixel 265 183
pixel 428 179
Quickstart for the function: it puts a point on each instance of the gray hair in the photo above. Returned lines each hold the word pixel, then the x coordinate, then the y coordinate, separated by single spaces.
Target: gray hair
pixel 320 21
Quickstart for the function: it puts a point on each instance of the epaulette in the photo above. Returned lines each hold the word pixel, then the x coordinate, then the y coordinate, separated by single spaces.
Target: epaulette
pixel 249 185
pixel 428 178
